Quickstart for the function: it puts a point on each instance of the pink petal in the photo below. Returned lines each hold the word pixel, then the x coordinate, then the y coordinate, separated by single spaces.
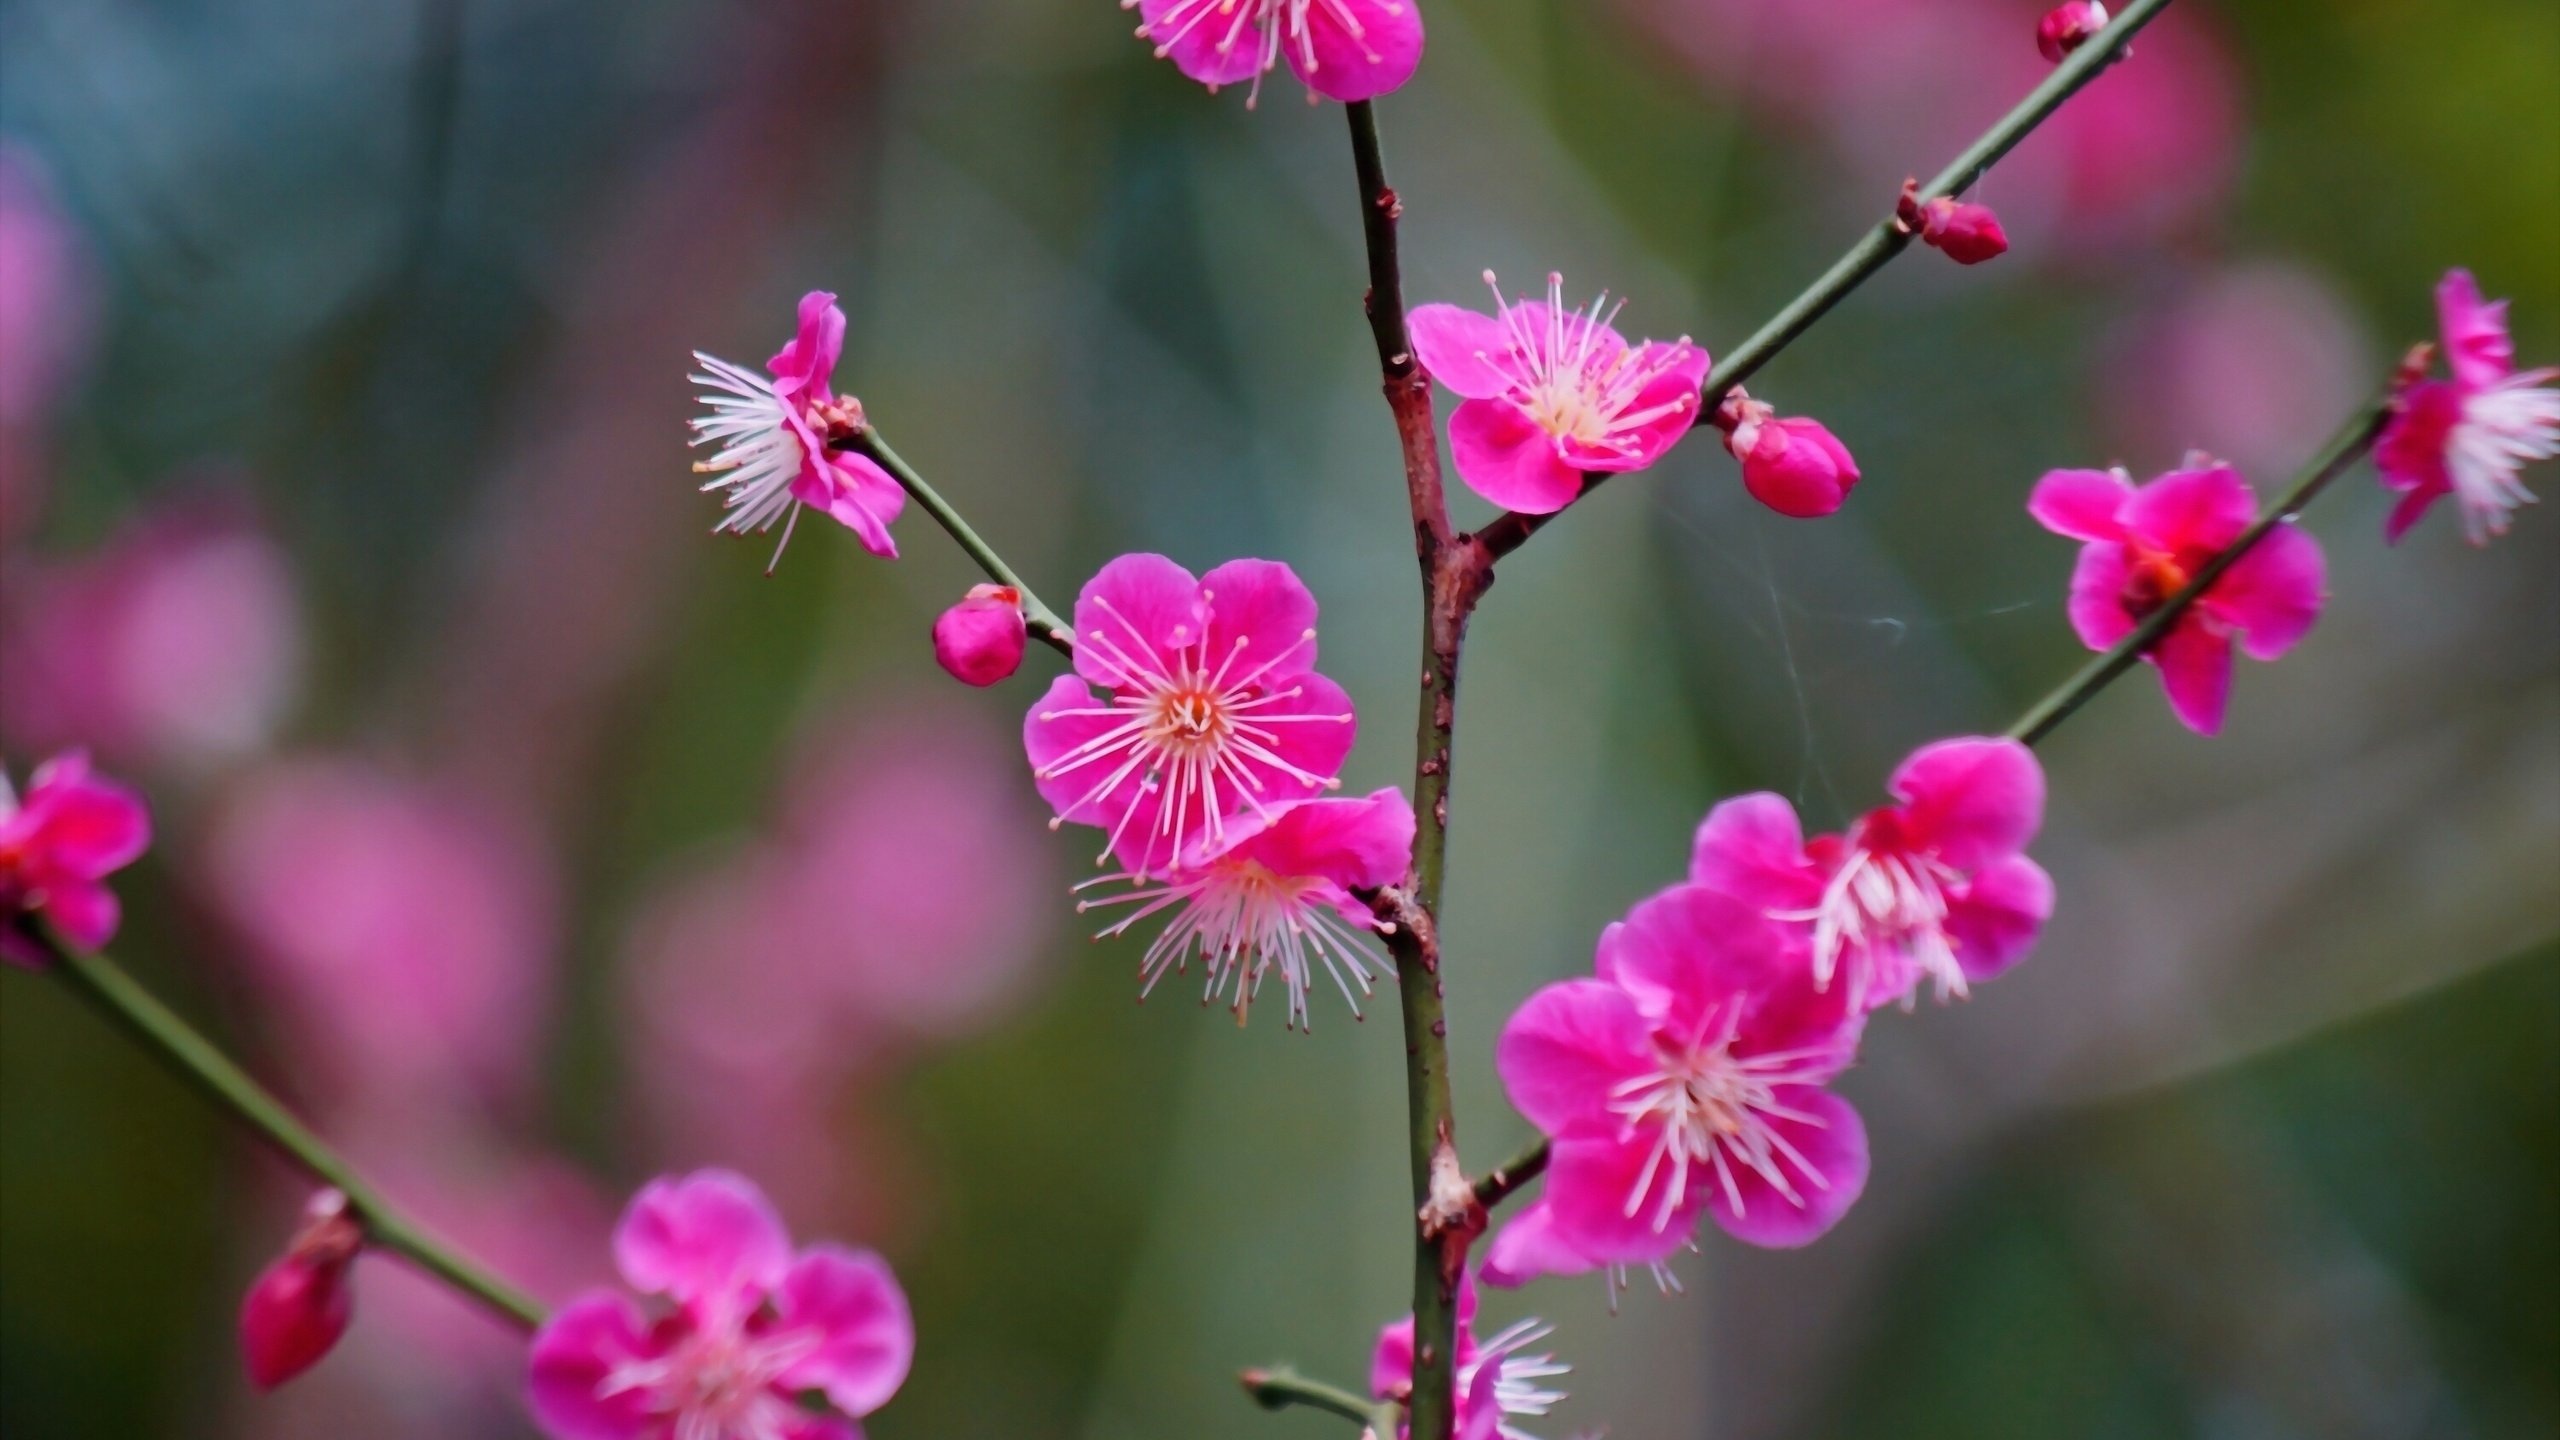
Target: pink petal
pixel 1263 604
pixel 2195 665
pixel 1995 918
pixel 90 826
pixel 1222 49
pixel 1391 1360
pixel 1362 843
pixel 1363 64
pixel 707 1239
pixel 1453 344
pixel 2205 507
pixel 1317 747
pixel 2081 503
pixel 2096 606
pixel 1564 1047
pixel 1973 800
pixel 1140 607
pixel 867 1335
pixel 1674 392
pixel 2274 593
pixel 1689 951
pixel 2412 507
pixel 1527 1248
pixel 1049 733
pixel 573 1353
pixel 1589 1182
pixel 1835 1147
pixel 84 911
pixel 815 1426
pixel 1504 457
pixel 856 493
pixel 1751 847
pixel 2476 347
pixel 807 365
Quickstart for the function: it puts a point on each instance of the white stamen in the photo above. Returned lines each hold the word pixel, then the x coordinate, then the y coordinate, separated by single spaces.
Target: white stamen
pixel 1715 1110
pixel 2502 427
pixel 1576 378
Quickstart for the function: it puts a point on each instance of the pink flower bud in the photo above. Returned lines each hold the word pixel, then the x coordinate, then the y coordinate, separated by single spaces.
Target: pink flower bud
pixel 1969 234
pixel 2066 27
pixel 979 640
pixel 298 1307
pixel 1793 466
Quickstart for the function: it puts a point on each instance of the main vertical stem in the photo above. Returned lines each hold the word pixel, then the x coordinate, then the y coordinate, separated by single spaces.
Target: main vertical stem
pixel 1454 573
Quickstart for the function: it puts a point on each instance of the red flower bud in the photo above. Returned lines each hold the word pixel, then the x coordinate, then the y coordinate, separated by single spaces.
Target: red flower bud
pixel 979 641
pixel 2068 26
pixel 298 1307
pixel 1794 466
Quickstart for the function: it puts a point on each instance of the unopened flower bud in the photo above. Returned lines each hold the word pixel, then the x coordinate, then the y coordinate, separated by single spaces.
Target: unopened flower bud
pixel 1793 465
pixel 979 641
pixel 1969 234
pixel 2068 26
pixel 298 1307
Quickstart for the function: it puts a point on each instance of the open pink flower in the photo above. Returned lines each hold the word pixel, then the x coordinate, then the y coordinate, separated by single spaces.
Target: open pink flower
pixel 2144 544
pixel 1343 49
pixel 2467 436
pixel 772 433
pixel 1936 885
pixel 1497 1381
pixel 57 847
pixel 752 1329
pixel 1551 393
pixel 1688 1075
pixel 1213 706
pixel 1275 891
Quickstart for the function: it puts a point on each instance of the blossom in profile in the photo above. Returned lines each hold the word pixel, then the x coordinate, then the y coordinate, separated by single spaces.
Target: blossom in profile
pixel 2145 542
pixel 299 1306
pixel 2067 27
pixel 1276 892
pixel 58 844
pixel 1498 1380
pixel 979 641
pixel 1550 394
pixel 1793 465
pixel 1934 886
pixel 1342 49
pixel 1687 1076
pixel 1211 707
pixel 772 431
pixel 753 1341
pixel 2468 435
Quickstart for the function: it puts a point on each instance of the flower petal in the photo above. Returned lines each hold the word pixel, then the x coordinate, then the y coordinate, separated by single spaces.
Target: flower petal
pixel 573 1353
pixel 707 1239
pixel 1688 953
pixel 2195 666
pixel 1263 605
pixel 1219 46
pixel 1995 918
pixel 1131 613
pixel 1592 1187
pixel 1355 843
pixel 2206 507
pixel 856 493
pixel 2081 503
pixel 1052 731
pixel 1565 1047
pixel 1391 1360
pixel 2273 594
pixel 1834 1146
pixel 1973 799
pixel 865 1334
pixel 2476 347
pixel 2096 605
pixel 1528 1247
pixel 1358 49
pixel 1504 457
pixel 807 365
pixel 1752 848
pixel 1456 345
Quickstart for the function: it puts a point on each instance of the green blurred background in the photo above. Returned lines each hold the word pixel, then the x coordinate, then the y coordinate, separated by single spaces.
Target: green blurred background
pixel 2263 1141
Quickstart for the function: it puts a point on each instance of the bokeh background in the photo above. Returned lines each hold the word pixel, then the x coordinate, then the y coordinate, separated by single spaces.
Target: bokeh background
pixel 536 842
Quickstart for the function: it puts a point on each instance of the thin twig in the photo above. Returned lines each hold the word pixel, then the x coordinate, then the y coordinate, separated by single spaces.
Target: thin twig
pixel 1284 1387
pixel 1042 621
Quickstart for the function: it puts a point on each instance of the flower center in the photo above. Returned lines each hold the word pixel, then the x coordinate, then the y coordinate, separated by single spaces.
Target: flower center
pixel 2157 575
pixel 1711 1109
pixel 1575 378
pixel 719 1383
pixel 1884 905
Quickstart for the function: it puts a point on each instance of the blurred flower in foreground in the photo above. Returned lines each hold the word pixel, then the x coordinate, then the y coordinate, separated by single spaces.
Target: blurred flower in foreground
pixel 178 641
pixel 2144 544
pixel 2250 361
pixel 1214 706
pixel 1550 393
pixel 1342 49
pixel 772 433
pixel 45 319
pixel 1277 891
pixel 1935 886
pixel 753 1334
pixel 57 846
pixel 1688 1075
pixel 979 641
pixel 298 1306
pixel 1496 1381
pixel 2469 435
pixel 403 936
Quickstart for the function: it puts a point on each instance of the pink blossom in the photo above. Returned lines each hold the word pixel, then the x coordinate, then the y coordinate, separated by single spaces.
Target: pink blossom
pixel 299 1306
pixel 979 641
pixel 1214 706
pixel 1688 1075
pixel 2469 435
pixel 1343 49
pixel 57 846
pixel 178 641
pixel 750 1330
pixel 1276 890
pixel 2245 359
pixel 1936 885
pixel 2068 26
pixel 1496 1380
pixel 1792 465
pixel 772 433
pixel 403 933
pixel 1551 393
pixel 2145 543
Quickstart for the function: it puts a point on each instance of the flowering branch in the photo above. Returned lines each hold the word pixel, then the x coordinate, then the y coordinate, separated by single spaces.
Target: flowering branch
pixel 2349 445
pixel 195 1059
pixel 1887 239
pixel 1455 571
pixel 1281 1388
pixel 1036 616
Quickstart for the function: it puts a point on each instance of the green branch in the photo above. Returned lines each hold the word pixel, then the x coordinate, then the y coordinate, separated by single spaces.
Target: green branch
pixel 1042 621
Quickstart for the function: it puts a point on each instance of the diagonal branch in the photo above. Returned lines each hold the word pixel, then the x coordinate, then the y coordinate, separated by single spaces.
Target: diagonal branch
pixel 1042 621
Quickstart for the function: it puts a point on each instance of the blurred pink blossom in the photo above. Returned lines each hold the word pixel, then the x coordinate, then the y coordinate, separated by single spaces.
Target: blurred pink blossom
pixel 2468 436
pixel 404 937
pixel 57 846
pixel 298 1307
pixel 46 314
pixel 178 641
pixel 1496 1379
pixel 2255 361
pixel 2068 26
